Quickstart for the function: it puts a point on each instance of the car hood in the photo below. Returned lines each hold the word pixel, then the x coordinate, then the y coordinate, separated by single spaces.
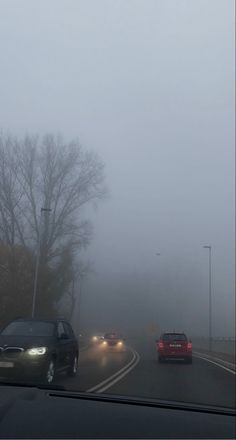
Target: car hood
pixel 25 341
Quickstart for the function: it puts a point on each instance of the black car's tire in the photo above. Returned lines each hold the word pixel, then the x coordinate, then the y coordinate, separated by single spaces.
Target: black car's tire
pixel 50 372
pixel 72 371
pixel 189 360
pixel 160 359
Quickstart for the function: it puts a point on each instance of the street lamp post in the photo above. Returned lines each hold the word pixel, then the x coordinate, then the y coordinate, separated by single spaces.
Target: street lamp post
pixel 156 327
pixel 37 261
pixel 78 314
pixel 210 299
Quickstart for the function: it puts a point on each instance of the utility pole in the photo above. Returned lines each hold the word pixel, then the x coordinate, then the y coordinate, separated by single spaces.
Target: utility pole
pixel 210 298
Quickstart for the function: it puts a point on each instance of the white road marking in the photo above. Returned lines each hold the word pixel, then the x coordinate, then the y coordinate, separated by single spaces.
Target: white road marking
pixel 123 371
pixel 213 362
pixel 214 358
pixel 117 379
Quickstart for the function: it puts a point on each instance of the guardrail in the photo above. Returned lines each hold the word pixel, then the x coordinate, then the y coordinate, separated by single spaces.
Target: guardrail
pixel 219 338
pixel 220 344
pixel 216 338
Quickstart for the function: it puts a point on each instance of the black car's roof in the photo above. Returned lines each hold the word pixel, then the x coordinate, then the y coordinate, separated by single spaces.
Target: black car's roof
pixel 113 335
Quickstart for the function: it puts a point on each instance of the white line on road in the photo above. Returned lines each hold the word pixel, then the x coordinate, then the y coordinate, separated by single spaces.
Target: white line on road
pixel 217 359
pixel 123 371
pixel 215 363
pixel 117 379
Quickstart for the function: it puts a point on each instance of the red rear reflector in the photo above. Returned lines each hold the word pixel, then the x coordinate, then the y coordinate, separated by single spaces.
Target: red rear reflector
pixel 161 345
pixel 189 345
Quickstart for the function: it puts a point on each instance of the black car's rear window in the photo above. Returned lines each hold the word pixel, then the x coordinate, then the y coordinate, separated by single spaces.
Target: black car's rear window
pixel 174 337
pixel 110 336
pixel 29 328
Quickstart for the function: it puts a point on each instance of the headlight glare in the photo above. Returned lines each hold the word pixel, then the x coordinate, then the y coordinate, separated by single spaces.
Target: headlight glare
pixel 35 351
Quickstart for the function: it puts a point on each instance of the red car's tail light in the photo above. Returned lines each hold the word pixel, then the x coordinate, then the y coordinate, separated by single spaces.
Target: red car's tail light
pixel 160 345
pixel 189 345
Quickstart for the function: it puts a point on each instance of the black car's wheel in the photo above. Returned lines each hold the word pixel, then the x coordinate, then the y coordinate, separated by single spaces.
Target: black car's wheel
pixel 50 372
pixel 189 360
pixel 160 359
pixel 74 367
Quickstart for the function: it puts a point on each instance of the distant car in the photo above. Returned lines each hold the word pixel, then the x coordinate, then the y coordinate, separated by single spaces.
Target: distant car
pixel 113 340
pixel 174 346
pixel 97 339
pixel 38 349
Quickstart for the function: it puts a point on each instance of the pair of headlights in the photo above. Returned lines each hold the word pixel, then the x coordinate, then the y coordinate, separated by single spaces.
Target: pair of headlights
pixel 119 343
pixel 37 351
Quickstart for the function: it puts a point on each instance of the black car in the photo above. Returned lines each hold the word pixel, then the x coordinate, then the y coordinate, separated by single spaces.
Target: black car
pixel 34 348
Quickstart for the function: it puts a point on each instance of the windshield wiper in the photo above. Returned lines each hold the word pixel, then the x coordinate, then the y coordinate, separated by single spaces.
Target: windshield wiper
pixel 140 401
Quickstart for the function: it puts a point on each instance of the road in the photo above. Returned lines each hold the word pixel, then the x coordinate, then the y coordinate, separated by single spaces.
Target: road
pixel 136 372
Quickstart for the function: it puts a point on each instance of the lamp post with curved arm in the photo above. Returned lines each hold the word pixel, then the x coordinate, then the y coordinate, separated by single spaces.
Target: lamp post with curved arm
pixel 37 261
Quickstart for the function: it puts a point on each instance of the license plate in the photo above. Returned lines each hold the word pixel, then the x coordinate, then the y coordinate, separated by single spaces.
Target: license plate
pixel 6 364
pixel 175 345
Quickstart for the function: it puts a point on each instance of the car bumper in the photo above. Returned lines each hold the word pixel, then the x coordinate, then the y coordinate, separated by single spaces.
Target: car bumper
pixel 175 355
pixel 114 346
pixel 23 369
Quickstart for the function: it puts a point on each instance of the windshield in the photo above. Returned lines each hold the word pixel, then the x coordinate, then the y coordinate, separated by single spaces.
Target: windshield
pixel 110 336
pixel 117 197
pixel 28 328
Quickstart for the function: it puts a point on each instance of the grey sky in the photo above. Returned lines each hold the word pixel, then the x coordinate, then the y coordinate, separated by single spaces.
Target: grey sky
pixel 149 84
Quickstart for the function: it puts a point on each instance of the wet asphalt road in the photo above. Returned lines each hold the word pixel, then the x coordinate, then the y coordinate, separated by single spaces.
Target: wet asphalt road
pixel 200 382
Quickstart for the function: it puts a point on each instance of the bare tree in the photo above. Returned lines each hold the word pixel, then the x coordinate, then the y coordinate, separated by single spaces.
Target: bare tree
pixel 47 172
pixel 16 281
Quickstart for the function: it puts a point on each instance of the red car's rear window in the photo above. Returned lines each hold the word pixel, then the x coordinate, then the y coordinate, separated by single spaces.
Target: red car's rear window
pixel 174 337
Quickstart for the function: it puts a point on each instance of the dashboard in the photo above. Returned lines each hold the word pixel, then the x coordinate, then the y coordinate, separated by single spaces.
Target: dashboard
pixel 30 412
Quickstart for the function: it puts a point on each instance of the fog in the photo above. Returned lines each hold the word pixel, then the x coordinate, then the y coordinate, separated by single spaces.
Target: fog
pixel 149 85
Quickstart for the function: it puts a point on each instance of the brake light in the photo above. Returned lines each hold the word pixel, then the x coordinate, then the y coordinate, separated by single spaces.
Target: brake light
pixel 160 345
pixel 189 346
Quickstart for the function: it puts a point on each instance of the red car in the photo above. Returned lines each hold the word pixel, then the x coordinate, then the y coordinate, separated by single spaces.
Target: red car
pixel 174 346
